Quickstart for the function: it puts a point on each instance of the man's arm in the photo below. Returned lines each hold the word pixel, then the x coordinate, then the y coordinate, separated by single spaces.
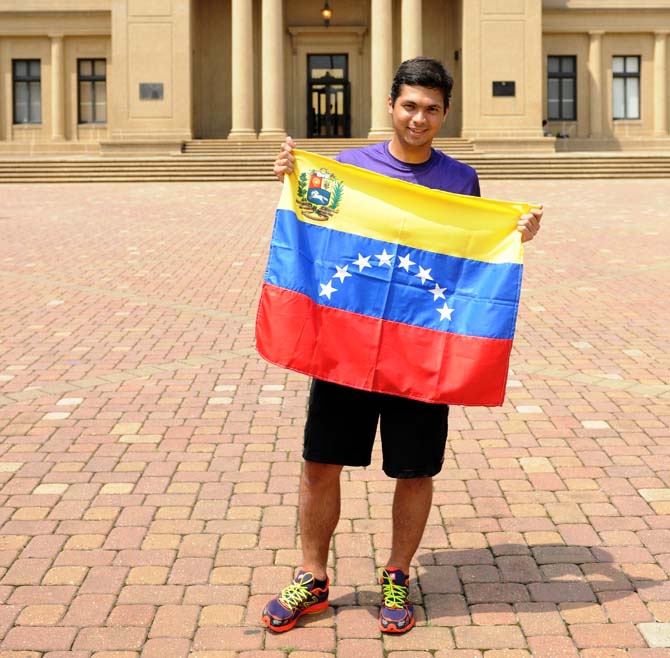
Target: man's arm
pixel 529 224
pixel 284 160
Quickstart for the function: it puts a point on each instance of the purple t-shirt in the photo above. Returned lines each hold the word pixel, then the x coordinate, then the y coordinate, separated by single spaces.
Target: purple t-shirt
pixel 439 172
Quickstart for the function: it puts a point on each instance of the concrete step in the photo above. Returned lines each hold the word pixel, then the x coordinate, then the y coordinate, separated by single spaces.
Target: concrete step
pixel 259 179
pixel 256 165
pixel 321 146
pixel 253 163
pixel 161 176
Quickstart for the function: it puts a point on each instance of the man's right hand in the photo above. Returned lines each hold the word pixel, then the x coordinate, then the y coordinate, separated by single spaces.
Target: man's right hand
pixel 284 160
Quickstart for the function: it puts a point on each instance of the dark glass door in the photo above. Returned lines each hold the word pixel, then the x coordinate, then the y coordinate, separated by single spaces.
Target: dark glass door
pixel 328 97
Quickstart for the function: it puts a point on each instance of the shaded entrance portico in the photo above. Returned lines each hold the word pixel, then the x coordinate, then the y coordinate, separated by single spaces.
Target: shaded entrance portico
pixel 273 90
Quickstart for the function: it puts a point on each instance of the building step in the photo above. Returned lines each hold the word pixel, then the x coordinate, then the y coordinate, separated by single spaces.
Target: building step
pixel 320 146
pixel 254 165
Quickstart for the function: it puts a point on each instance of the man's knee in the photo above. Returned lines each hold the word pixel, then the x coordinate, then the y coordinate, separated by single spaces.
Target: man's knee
pixel 316 475
pixel 414 484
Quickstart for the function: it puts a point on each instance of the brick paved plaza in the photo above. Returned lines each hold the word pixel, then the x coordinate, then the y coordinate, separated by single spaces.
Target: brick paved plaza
pixel 149 459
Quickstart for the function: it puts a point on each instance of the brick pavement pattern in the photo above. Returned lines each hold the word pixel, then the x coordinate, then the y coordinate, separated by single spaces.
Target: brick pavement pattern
pixel 149 460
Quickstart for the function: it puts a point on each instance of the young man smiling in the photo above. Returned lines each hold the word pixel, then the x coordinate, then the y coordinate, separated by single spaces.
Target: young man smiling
pixel 413 433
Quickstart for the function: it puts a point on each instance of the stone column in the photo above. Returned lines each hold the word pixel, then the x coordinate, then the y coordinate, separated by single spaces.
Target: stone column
pixel 411 29
pixel 243 71
pixel 57 90
pixel 661 84
pixel 596 83
pixel 273 123
pixel 381 34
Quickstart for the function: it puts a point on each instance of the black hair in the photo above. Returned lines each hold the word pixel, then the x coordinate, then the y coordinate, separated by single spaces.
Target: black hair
pixel 423 72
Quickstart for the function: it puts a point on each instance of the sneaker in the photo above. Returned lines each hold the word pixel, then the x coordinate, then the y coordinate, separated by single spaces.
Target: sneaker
pixel 397 613
pixel 301 597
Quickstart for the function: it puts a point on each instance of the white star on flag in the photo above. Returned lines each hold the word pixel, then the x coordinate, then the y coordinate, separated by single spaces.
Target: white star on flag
pixel 424 275
pixel 327 289
pixel 362 262
pixel 342 273
pixel 445 312
pixel 405 262
pixel 438 293
pixel 384 258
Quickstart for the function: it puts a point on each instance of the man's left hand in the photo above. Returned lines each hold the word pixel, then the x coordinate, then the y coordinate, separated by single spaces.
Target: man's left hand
pixel 529 224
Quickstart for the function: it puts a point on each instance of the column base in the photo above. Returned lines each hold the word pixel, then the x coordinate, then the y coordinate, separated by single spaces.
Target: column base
pixel 270 134
pixel 242 134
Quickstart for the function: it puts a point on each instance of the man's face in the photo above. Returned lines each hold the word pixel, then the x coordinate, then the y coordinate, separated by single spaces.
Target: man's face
pixel 417 115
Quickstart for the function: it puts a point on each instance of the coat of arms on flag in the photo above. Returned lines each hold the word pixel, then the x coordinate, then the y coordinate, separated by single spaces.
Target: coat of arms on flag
pixel 319 194
pixel 404 290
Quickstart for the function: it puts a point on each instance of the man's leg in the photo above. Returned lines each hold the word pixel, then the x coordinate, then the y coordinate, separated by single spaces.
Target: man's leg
pixel 319 510
pixel 414 436
pixel 411 507
pixel 340 429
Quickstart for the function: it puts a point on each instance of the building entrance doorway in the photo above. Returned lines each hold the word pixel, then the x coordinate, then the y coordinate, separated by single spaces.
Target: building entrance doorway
pixel 328 96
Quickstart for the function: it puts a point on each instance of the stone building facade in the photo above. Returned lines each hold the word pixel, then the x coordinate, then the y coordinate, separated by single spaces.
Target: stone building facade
pixel 147 75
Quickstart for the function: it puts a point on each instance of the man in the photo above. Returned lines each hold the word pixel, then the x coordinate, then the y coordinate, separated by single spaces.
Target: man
pixel 413 433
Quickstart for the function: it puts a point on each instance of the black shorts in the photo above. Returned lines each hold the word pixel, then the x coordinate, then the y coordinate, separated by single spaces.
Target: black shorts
pixel 342 423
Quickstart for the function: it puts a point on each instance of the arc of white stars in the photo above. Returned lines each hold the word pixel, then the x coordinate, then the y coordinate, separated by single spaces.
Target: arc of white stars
pixel 404 262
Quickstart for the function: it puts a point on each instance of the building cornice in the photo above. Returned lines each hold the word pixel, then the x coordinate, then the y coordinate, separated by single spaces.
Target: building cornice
pixel 15 24
pixel 345 32
pixel 600 5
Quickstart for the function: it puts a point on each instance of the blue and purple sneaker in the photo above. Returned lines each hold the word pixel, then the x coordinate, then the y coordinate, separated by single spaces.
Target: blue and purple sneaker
pixel 397 613
pixel 301 597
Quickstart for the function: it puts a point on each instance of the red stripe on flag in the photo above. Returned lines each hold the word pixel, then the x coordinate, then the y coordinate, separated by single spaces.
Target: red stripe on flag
pixel 377 355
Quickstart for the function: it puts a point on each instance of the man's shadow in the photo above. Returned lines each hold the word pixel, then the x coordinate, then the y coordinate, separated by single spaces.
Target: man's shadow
pixel 507 574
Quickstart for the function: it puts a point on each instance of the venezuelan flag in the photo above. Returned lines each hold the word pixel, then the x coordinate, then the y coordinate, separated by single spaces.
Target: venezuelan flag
pixel 388 286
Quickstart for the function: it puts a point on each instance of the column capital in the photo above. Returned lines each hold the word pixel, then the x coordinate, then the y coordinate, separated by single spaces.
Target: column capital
pixel 596 33
pixel 661 33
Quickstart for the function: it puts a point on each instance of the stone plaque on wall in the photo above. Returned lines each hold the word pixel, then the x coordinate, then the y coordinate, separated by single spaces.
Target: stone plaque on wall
pixel 151 91
pixel 504 88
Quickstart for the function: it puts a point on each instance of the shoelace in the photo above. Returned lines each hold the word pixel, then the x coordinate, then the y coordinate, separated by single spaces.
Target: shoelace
pixel 395 596
pixel 294 594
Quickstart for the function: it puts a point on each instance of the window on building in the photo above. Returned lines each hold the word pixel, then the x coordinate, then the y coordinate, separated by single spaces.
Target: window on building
pixel 27 90
pixel 626 87
pixel 562 88
pixel 92 80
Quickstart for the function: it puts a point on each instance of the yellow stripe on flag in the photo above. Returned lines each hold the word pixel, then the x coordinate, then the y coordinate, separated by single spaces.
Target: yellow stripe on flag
pixel 384 208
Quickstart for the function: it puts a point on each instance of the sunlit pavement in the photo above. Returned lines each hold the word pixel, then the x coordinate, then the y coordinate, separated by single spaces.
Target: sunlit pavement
pixel 149 459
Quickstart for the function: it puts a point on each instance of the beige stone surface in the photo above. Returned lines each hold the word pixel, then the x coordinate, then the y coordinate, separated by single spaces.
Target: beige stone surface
pixel 214 69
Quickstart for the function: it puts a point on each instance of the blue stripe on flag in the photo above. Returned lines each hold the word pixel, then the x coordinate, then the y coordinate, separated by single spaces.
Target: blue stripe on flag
pixel 427 289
